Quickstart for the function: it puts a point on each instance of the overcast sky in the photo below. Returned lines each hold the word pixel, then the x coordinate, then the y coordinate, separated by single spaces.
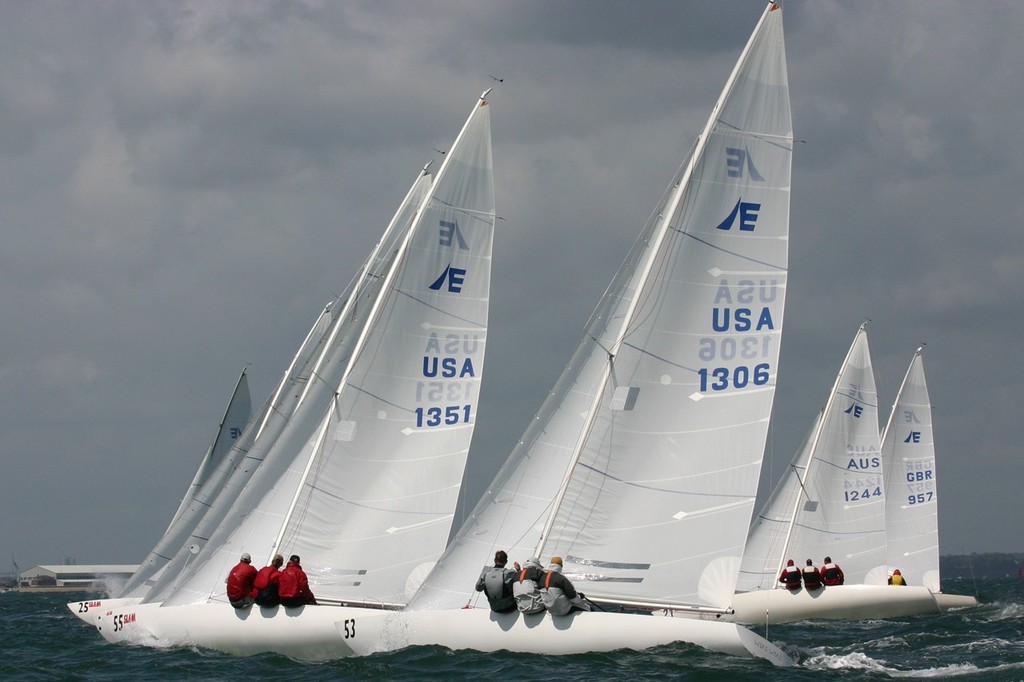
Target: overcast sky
pixel 183 186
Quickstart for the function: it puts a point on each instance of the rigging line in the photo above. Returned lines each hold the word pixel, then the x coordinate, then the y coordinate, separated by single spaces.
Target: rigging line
pixel 370 507
pixel 652 488
pixel 750 259
pixel 449 313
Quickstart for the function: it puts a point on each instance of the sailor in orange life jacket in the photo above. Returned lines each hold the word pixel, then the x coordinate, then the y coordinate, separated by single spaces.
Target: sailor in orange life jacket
pixel 897 578
pixel 790 576
pixel 240 590
pixel 812 577
pixel 526 587
pixel 831 574
pixel 293 585
pixel 557 592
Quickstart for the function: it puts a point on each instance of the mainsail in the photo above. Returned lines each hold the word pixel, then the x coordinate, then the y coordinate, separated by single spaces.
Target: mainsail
pixel 641 467
pixel 363 478
pixel 912 496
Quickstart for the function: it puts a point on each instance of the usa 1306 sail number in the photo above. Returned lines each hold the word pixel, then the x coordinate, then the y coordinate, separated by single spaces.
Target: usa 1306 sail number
pixel 722 378
pixel 442 416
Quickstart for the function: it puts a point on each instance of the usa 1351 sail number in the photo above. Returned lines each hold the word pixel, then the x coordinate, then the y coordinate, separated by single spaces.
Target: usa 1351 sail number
pixel 442 416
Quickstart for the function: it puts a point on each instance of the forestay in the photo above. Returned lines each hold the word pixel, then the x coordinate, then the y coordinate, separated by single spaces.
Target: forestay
pixel 363 480
pixel 911 501
pixel 641 467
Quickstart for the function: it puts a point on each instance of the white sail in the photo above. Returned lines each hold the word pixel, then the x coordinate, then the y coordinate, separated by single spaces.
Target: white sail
pixel 841 511
pixel 912 495
pixel 236 416
pixel 769 532
pixel 309 368
pixel 641 468
pixel 363 480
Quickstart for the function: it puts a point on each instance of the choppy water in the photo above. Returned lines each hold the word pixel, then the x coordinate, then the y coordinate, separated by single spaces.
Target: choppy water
pixel 42 640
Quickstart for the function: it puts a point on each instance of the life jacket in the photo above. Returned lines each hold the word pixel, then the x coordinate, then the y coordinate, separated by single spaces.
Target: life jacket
pixel 526 593
pixel 553 597
pixel 498 590
pixel 790 577
pixel 897 579
pixel 831 574
pixel 812 578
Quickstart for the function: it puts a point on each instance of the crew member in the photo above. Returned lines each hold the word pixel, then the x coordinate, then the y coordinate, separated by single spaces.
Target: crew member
pixel 240 583
pixel 831 574
pixel 496 583
pixel 526 588
pixel 812 576
pixel 897 578
pixel 266 583
pixel 790 576
pixel 557 592
pixel 293 585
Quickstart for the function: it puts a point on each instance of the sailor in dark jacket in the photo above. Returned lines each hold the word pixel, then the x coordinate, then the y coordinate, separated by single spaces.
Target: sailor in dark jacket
pixel 496 583
pixel 790 576
pixel 812 576
pixel 831 574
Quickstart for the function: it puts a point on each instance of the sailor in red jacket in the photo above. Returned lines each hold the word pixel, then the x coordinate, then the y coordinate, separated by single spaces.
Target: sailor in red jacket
pixel 241 593
pixel 293 586
pixel 812 576
pixel 266 583
pixel 831 574
pixel 790 576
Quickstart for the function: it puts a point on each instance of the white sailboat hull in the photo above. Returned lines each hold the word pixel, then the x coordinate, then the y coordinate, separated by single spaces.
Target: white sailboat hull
pixel 321 633
pixel 842 602
pixel 88 610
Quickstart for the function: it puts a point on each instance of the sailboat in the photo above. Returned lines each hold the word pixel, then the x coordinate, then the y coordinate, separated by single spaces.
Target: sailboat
pixel 362 471
pixel 911 484
pixel 640 469
pixel 833 501
pixel 205 506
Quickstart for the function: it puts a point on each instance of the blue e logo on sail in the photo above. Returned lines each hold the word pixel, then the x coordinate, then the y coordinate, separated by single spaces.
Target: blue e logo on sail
pixel 455 277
